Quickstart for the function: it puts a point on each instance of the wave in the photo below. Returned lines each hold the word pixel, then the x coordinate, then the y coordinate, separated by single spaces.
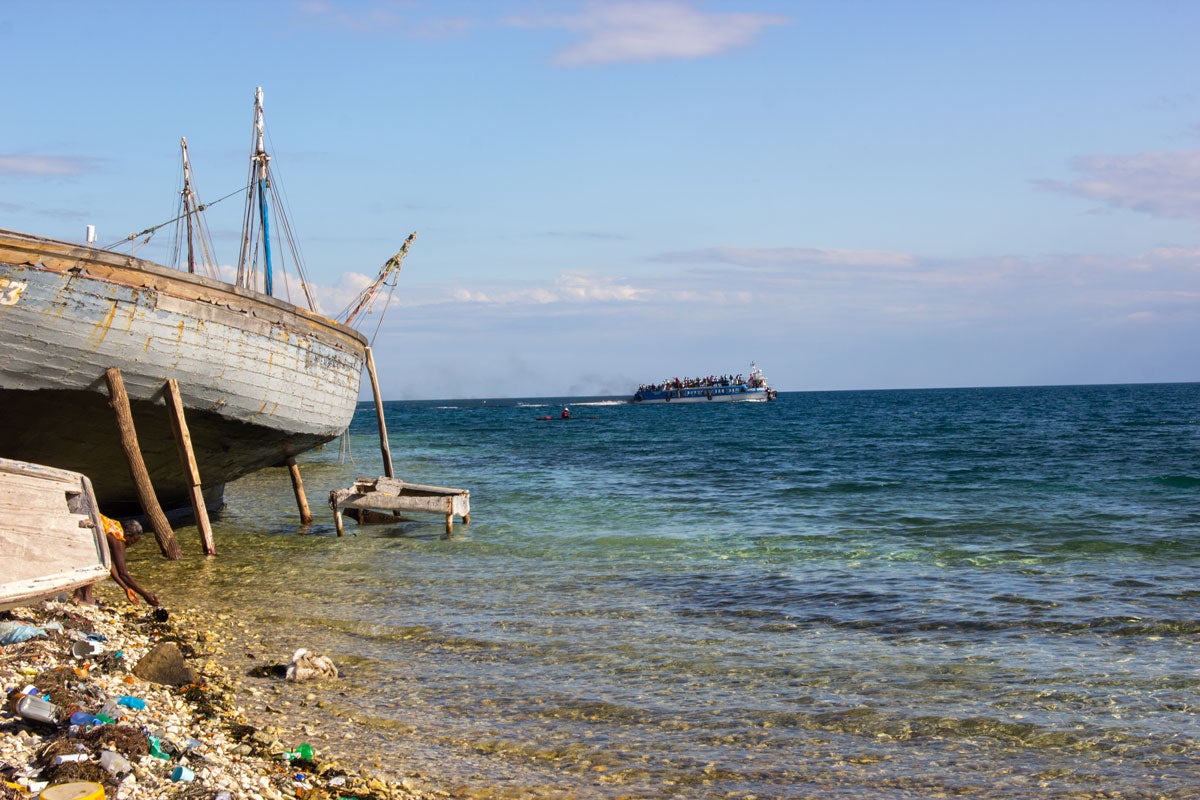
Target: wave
pixel 1178 481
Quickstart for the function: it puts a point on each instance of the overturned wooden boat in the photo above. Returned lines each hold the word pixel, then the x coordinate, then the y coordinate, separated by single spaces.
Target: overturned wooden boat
pixel 51 537
pixel 261 380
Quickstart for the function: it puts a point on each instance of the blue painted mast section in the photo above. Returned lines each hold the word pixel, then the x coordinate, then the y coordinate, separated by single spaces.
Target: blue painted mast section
pixel 256 221
pixel 266 229
pixel 260 155
pixel 258 183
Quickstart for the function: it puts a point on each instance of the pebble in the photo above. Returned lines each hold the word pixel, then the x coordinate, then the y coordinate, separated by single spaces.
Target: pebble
pixel 222 763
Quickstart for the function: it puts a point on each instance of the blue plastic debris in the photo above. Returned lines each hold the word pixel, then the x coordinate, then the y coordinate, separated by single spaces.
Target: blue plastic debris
pixel 16 632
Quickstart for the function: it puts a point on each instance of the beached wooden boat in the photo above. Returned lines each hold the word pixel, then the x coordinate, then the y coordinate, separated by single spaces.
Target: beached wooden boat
pixel 262 380
pixel 51 538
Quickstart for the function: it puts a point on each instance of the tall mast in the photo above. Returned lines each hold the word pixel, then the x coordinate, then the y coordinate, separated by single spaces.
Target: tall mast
pixel 189 228
pixel 262 159
pixel 260 156
pixel 189 203
pixel 256 202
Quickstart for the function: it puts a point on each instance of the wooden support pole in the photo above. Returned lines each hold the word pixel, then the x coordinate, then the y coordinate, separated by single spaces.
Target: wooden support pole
pixel 306 516
pixel 119 401
pixel 337 518
pixel 187 457
pixel 383 436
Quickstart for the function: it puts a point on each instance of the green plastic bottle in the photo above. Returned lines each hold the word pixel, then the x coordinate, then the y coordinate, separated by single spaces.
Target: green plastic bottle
pixel 304 751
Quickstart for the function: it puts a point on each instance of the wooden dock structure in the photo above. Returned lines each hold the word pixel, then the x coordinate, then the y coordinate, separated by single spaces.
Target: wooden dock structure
pixel 386 494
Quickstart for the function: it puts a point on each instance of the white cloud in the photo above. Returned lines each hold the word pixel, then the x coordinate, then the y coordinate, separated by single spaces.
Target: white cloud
pixel 826 286
pixel 382 17
pixel 618 32
pixel 34 165
pixel 1161 184
pixel 570 287
pixel 791 256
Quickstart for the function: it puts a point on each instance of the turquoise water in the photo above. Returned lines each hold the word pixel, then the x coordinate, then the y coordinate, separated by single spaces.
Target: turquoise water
pixel 893 594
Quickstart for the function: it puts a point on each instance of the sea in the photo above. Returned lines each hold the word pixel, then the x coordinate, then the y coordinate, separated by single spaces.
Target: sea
pixel 989 592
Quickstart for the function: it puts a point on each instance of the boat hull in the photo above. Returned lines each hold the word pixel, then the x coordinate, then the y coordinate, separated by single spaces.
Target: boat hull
pixel 713 394
pixel 51 537
pixel 261 380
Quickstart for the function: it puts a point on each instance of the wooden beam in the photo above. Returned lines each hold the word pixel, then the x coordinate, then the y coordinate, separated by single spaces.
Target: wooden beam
pixel 383 435
pixel 119 400
pixel 306 516
pixel 187 457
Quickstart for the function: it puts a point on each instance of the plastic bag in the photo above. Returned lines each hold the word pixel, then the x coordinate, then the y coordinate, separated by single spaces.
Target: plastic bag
pixel 15 632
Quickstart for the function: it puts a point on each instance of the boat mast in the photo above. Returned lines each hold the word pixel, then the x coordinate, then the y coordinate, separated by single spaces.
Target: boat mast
pixel 189 227
pixel 189 203
pixel 256 199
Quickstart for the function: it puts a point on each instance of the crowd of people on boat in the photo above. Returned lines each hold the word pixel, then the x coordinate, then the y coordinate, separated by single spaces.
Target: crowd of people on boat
pixel 695 383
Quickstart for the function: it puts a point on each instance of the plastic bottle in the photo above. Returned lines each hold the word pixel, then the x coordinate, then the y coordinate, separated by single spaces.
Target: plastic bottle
pixel 116 764
pixel 182 774
pixel 68 758
pixel 84 718
pixel 304 751
pixel 111 710
pixel 35 708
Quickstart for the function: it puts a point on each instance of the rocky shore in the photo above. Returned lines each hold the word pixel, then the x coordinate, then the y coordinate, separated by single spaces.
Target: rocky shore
pixel 133 699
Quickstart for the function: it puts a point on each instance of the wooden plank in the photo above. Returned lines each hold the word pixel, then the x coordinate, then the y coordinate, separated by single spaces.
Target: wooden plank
pixel 384 448
pixel 183 438
pixel 389 494
pixel 137 468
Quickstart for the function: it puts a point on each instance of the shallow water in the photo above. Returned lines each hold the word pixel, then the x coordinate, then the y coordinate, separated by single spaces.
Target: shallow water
pixel 890 594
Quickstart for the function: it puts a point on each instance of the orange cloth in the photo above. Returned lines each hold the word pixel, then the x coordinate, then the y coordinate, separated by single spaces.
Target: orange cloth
pixel 113 528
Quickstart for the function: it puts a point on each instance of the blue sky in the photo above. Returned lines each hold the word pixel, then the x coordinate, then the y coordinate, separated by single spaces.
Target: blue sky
pixel 854 194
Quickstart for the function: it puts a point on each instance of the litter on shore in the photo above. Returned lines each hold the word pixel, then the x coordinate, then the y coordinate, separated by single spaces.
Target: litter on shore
pixel 102 703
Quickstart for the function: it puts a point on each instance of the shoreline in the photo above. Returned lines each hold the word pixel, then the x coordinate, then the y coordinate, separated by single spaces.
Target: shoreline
pixel 216 726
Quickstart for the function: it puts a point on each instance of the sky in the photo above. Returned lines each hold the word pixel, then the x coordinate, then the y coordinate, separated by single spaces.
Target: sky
pixel 865 194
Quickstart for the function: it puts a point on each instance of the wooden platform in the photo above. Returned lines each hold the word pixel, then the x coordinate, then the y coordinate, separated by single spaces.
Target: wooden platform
pixel 393 495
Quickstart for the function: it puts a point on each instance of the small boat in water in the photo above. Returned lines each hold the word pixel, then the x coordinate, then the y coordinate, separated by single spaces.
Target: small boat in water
pixel 713 389
pixel 51 536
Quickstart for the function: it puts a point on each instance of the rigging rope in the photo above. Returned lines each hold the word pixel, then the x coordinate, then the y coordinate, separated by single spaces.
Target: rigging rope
pixel 386 306
pixel 153 229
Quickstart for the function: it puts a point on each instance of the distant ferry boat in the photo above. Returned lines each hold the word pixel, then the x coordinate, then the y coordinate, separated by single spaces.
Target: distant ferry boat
pixel 714 389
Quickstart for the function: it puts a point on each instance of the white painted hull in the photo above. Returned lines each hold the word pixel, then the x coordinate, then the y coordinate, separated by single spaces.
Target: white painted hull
pixel 261 380
pixel 51 539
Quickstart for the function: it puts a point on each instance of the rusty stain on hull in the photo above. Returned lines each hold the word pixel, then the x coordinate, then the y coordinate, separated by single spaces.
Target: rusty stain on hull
pixel 268 379
pixel 100 331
